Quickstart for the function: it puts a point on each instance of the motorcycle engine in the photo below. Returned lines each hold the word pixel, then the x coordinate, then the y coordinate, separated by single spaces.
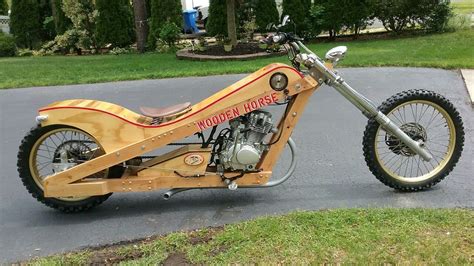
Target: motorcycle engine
pixel 244 147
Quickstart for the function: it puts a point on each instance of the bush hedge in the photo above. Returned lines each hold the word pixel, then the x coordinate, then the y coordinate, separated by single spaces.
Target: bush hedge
pixel 25 23
pixel 266 12
pixel 334 16
pixel 7 45
pixel 61 22
pixel 217 19
pixel 398 15
pixel 3 7
pixel 114 23
pixel 163 11
pixel 298 11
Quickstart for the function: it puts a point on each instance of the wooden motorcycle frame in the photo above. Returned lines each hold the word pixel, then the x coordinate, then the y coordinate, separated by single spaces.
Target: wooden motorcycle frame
pixel 124 135
pixel 83 175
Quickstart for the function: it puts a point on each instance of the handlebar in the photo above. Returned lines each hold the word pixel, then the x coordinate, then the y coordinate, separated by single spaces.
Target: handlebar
pixel 282 38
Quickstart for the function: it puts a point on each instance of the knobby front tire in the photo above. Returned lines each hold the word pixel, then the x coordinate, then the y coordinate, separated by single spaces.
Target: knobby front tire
pixel 426 117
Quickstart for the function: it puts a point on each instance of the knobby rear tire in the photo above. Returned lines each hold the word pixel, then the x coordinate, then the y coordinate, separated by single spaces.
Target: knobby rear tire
pixel 26 176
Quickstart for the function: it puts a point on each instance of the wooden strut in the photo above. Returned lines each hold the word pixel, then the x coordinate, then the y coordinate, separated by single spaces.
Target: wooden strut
pixel 123 137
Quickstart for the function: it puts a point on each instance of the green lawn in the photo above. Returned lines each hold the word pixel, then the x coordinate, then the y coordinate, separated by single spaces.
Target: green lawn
pixel 464 7
pixel 449 50
pixel 350 236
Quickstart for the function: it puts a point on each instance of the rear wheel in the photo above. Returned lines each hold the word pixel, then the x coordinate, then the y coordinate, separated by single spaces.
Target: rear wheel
pixel 48 150
pixel 426 117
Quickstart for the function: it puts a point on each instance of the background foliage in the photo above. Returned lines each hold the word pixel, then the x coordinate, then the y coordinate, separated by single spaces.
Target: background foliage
pixel 25 23
pixel 217 20
pixel 163 11
pixel 3 7
pixel 7 45
pixel 266 12
pixel 114 23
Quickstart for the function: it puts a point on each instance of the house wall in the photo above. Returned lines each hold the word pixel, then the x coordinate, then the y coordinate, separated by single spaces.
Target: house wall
pixel 4 24
pixel 189 4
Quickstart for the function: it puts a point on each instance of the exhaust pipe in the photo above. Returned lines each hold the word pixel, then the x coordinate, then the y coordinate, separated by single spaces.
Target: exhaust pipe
pixel 274 183
pixel 173 191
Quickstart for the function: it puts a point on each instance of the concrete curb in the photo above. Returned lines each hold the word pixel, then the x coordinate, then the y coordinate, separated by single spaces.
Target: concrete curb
pixel 468 76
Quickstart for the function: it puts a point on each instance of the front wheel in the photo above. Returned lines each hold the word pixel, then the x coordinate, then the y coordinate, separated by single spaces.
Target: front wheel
pixel 426 117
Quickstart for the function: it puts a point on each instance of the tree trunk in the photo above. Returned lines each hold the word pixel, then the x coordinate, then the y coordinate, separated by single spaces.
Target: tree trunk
pixel 231 25
pixel 141 25
pixel 55 16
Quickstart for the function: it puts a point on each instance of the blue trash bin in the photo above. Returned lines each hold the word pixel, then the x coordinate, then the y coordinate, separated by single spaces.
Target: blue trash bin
pixel 189 17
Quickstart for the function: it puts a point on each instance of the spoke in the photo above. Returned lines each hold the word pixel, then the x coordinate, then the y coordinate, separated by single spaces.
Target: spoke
pixel 442 135
pixel 391 158
pixel 406 168
pixel 47 146
pixel 42 163
pixel 416 112
pixel 398 119
pixel 43 167
pixel 438 125
pixel 424 112
pixel 438 143
pixel 394 162
pixel 431 150
pixel 424 164
pixel 432 120
pixel 43 156
pixel 56 145
pixel 434 157
pixel 404 115
pixel 401 163
pixel 418 166
pixel 412 112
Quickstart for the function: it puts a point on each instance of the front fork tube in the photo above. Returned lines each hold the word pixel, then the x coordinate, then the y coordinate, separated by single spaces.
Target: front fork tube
pixel 370 110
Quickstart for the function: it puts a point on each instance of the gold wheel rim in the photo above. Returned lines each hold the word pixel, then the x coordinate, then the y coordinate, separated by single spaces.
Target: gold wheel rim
pixel 33 157
pixel 432 144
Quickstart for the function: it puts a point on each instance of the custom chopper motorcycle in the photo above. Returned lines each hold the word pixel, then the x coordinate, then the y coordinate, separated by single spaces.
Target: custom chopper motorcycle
pixel 82 151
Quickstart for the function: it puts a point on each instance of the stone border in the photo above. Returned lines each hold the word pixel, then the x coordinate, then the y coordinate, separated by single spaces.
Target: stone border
pixel 468 76
pixel 186 54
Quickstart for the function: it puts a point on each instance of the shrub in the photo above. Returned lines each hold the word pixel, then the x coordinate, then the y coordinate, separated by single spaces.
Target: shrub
pixel 458 22
pixel 394 14
pixel 61 22
pixel 24 52
pixel 7 45
pixel 47 30
pixel 25 23
pixel 316 20
pixel 119 51
pixel 397 15
pixel 217 19
pixel 169 33
pixel 266 12
pixel 298 11
pixel 163 11
pixel 333 16
pixel 436 15
pixel 114 23
pixel 356 14
pixel 248 30
pixel 3 7
pixel 82 33
pixel 245 17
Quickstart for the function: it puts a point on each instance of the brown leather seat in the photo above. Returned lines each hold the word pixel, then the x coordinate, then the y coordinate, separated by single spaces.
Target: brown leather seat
pixel 165 111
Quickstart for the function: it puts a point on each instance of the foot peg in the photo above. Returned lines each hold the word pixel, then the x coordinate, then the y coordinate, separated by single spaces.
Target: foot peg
pixel 231 185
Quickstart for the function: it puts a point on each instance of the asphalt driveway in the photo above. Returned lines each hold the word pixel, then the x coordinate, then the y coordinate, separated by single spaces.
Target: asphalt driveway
pixel 331 171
